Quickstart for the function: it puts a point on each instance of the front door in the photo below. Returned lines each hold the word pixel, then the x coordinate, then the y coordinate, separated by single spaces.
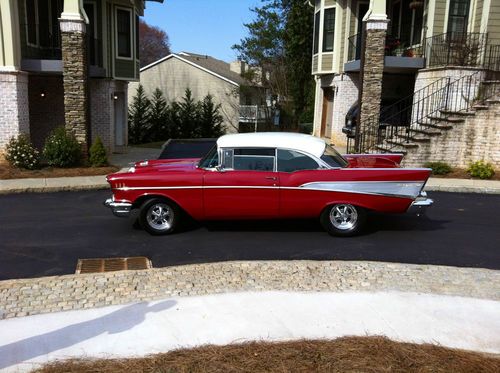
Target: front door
pixel 246 187
pixel 327 112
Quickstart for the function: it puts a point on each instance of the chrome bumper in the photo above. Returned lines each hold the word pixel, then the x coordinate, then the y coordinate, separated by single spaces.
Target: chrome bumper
pixel 420 204
pixel 120 209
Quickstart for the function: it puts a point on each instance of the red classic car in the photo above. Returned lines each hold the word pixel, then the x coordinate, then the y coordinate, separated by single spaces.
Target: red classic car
pixel 266 176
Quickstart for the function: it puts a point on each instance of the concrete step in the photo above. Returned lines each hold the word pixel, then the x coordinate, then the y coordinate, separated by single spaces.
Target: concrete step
pixel 480 107
pixel 446 119
pixel 418 138
pixel 493 101
pixel 402 143
pixel 439 126
pixel 385 149
pixel 458 113
pixel 429 132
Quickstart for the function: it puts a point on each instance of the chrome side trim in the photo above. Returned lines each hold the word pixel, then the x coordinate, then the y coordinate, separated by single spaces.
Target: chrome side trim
pixel 399 189
pixel 404 189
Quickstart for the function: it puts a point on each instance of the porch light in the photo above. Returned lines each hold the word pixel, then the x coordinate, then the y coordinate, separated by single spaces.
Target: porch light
pixel 42 94
pixel 115 97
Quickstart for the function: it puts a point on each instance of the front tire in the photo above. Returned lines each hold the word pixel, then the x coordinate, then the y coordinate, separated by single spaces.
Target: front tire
pixel 159 216
pixel 343 219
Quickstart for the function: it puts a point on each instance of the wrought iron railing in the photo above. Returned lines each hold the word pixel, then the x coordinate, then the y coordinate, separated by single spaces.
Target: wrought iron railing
pixel 421 111
pixel 393 47
pixel 492 58
pixel 456 49
pixel 47 47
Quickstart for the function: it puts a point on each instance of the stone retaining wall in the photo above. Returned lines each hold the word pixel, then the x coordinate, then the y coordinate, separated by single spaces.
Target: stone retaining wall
pixel 71 292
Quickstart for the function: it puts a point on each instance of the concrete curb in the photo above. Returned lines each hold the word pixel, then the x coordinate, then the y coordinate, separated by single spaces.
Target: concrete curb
pixel 71 292
pixel 57 184
pixel 463 186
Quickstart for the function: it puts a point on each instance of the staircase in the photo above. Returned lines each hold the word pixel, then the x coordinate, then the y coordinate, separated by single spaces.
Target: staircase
pixel 426 118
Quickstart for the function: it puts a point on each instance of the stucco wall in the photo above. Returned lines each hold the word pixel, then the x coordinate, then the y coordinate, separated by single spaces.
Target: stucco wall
pixel 173 76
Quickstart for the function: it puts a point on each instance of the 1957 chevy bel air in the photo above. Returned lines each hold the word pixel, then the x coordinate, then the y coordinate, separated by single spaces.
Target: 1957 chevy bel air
pixel 266 176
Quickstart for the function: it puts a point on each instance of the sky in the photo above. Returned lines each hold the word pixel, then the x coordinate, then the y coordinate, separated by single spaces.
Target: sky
pixel 202 26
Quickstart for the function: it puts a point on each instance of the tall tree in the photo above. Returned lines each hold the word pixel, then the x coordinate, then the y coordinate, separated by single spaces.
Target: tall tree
pixel 139 114
pixel 279 40
pixel 159 129
pixel 153 43
pixel 210 118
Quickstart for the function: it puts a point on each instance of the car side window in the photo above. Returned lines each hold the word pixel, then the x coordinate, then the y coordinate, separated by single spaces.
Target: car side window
pixel 249 159
pixel 290 161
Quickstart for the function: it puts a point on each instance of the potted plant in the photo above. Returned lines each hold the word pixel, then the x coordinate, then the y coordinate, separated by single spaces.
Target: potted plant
pixel 415 4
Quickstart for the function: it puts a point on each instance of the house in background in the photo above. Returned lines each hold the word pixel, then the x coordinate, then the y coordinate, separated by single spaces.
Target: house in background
pixel 243 102
pixel 426 62
pixel 67 62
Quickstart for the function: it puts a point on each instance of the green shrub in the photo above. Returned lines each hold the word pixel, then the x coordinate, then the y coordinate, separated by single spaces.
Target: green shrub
pixel 21 154
pixel 438 168
pixel 481 169
pixel 61 149
pixel 97 154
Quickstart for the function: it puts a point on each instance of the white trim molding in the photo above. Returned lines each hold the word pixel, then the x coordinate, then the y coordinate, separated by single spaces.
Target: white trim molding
pixel 72 25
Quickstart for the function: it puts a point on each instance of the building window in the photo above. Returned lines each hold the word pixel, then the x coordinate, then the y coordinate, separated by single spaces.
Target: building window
pixel 32 22
pixel 316 33
pixel 328 29
pixel 124 33
pixel 458 15
pixel 41 23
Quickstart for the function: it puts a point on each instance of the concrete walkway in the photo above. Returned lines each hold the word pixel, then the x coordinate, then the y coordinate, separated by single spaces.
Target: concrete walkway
pixel 143 328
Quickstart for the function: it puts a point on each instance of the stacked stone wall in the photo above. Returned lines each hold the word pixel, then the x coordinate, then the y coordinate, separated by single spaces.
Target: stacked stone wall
pixel 71 292
pixel 372 73
pixel 478 138
pixel 14 107
pixel 74 56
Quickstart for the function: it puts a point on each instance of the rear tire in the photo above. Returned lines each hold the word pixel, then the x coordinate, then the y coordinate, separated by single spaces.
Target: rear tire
pixel 159 216
pixel 343 219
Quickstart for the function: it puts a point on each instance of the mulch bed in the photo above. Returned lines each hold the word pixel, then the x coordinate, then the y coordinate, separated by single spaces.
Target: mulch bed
pixel 348 354
pixel 9 172
pixel 459 173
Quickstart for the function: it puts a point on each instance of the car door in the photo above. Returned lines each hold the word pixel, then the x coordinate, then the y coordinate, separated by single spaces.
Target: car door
pixel 246 185
pixel 296 170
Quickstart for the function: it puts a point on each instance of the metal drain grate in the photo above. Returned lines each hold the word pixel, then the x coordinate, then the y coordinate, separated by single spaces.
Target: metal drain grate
pixel 112 264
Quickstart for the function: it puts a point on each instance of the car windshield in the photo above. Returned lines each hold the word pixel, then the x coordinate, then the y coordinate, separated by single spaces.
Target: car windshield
pixel 211 159
pixel 333 158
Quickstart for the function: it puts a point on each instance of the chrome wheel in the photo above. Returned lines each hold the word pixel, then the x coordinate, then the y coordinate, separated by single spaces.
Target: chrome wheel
pixel 343 216
pixel 160 216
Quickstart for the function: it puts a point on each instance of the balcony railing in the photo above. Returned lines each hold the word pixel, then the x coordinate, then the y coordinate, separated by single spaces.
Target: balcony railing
pixel 50 49
pixel 393 47
pixel 252 113
pixel 457 49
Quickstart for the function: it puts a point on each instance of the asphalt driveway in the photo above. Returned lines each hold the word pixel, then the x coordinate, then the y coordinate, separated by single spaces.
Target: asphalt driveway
pixel 45 234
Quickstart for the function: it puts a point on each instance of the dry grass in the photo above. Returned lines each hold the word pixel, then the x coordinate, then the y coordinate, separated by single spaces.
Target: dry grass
pixel 9 172
pixel 348 354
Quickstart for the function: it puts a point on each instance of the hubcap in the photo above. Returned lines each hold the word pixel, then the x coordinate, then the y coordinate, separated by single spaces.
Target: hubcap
pixel 343 217
pixel 160 216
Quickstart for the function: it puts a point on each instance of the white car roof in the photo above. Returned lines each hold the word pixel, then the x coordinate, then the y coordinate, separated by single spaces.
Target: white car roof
pixel 305 143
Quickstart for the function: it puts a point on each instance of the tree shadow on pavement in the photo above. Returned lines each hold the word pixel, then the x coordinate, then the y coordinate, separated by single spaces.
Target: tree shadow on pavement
pixel 115 322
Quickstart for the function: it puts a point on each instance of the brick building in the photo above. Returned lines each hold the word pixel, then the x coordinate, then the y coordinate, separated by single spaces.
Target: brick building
pixel 405 70
pixel 67 62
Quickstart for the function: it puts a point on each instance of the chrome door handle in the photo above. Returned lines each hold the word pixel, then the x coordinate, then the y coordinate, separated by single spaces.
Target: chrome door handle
pixel 271 178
